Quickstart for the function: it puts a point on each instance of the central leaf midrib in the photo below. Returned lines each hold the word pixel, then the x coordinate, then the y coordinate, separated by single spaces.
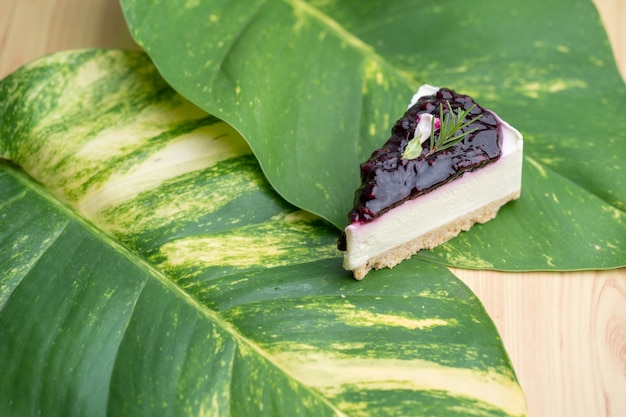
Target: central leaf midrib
pixel 349 38
pixel 165 280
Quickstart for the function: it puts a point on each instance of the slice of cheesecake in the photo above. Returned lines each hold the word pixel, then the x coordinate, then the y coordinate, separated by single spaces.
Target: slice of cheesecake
pixel 449 164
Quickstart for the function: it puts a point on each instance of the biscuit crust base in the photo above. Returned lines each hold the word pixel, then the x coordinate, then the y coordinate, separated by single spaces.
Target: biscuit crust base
pixel 433 238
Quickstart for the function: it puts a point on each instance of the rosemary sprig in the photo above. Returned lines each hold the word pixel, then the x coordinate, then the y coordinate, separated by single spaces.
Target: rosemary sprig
pixel 450 124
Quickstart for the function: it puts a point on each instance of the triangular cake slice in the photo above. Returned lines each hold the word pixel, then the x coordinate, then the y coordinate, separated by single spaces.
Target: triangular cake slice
pixel 449 164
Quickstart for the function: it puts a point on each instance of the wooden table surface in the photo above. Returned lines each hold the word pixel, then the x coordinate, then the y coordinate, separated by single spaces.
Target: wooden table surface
pixel 565 332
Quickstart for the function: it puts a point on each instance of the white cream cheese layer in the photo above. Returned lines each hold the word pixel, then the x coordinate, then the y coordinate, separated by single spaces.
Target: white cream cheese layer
pixel 441 206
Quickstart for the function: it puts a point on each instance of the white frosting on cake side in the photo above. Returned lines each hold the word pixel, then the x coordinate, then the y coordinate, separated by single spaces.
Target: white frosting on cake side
pixel 441 206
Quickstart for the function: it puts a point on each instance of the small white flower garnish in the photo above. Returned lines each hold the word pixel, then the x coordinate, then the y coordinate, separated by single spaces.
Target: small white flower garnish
pixel 426 123
pixel 425 126
pixel 448 125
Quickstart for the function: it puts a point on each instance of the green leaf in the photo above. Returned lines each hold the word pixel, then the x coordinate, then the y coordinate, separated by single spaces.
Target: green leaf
pixel 577 229
pixel 314 87
pixel 150 269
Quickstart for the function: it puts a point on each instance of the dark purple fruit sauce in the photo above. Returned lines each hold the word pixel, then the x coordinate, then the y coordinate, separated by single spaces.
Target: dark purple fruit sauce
pixel 388 180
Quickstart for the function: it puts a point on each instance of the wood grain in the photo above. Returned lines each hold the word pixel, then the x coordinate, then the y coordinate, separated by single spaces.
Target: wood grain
pixel 565 332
